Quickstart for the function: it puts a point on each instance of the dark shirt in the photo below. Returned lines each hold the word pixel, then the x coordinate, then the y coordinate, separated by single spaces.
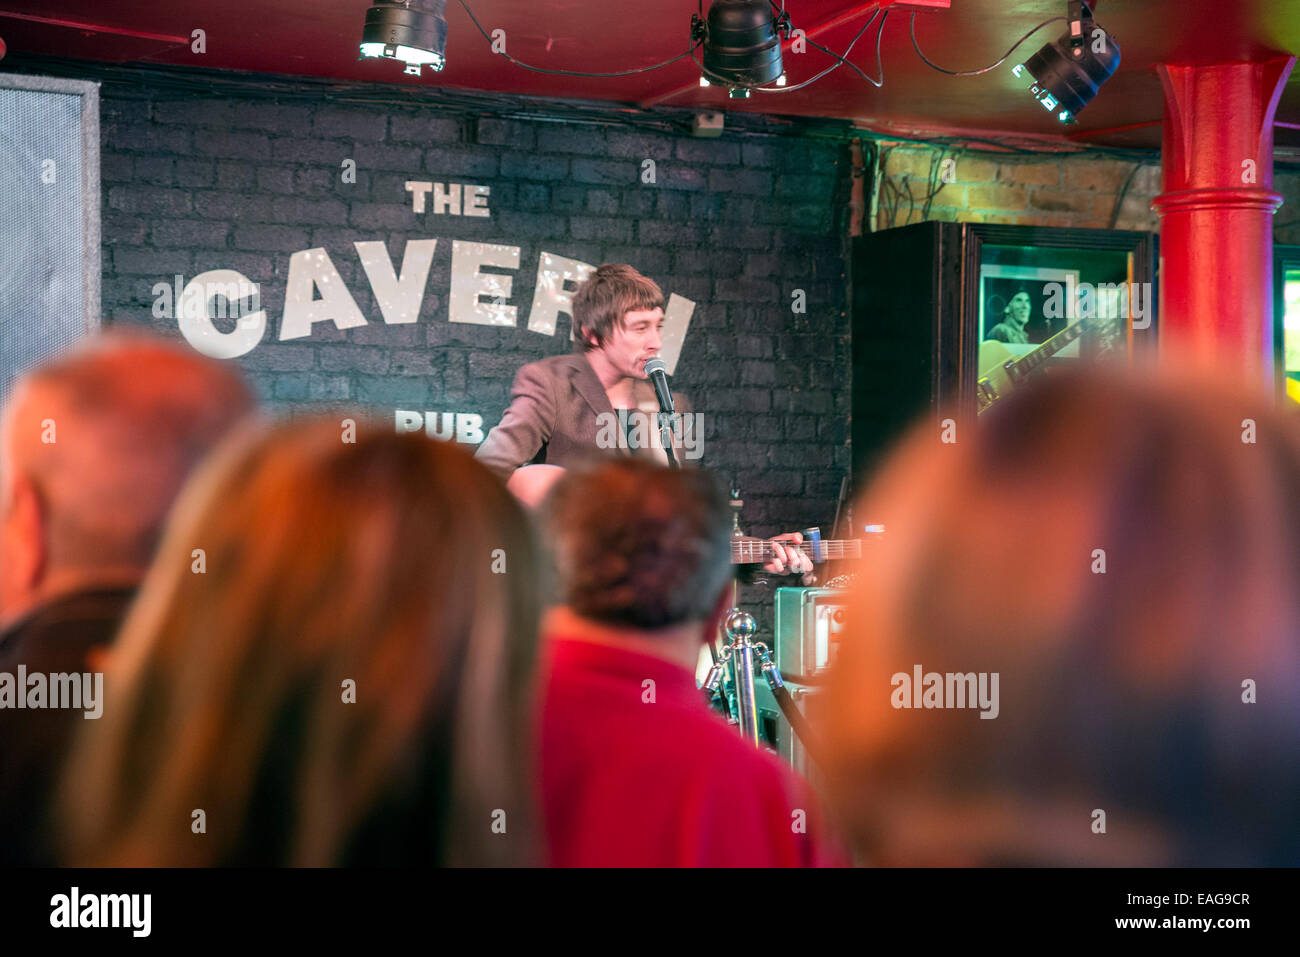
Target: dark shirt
pixel 59 637
pixel 1008 332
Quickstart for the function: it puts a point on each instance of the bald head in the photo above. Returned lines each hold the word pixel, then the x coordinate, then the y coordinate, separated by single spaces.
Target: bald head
pixel 93 450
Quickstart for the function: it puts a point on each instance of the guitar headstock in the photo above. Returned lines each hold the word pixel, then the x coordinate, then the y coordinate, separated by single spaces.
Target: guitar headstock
pixel 1104 331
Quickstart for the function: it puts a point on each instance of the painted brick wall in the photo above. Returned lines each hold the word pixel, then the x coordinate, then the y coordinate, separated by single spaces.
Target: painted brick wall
pixel 735 224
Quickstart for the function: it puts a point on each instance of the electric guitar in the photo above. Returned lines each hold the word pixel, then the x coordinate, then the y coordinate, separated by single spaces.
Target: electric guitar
pixel 531 483
pixel 756 551
pixel 1001 371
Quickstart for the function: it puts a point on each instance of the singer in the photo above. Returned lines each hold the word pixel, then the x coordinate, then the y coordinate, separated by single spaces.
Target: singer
pixel 557 405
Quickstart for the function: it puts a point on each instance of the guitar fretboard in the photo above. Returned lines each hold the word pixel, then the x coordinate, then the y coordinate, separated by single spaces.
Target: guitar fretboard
pixel 755 551
pixel 1027 364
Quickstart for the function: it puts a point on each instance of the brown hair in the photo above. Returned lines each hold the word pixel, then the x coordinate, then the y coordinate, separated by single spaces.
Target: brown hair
pixel 1123 554
pixel 639 545
pixel 394 569
pixel 606 296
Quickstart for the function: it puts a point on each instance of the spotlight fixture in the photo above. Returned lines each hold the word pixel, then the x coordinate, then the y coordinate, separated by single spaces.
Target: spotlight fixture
pixel 742 44
pixel 1067 73
pixel 413 31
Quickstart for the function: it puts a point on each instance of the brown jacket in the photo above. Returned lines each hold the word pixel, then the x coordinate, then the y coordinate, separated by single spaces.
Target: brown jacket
pixel 552 417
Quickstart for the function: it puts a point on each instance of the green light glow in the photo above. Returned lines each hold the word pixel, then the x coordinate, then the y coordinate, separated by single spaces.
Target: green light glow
pixel 1291 332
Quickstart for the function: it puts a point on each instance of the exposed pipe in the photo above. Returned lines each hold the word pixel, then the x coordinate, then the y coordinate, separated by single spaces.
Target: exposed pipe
pixel 95 28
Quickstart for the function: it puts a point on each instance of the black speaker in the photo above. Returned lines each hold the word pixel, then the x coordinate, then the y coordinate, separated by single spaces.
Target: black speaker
pixel 907 303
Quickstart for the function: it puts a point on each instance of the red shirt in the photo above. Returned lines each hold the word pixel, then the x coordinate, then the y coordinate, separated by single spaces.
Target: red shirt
pixel 628 781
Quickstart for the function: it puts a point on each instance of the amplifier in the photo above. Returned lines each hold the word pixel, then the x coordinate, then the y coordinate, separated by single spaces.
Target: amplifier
pixel 808 626
pixel 776 731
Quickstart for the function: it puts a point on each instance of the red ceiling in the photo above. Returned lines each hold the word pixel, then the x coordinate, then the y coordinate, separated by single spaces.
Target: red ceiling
pixel 315 38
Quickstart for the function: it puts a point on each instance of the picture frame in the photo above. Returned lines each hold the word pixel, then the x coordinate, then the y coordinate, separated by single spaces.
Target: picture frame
pixel 1077 274
pixel 1001 284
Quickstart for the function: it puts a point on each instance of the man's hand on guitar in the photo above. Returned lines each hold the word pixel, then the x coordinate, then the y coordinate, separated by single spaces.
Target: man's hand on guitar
pixel 790 561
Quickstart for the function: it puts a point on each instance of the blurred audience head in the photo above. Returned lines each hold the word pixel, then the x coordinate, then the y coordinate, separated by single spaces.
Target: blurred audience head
pixel 1123 555
pixel 94 447
pixel 332 657
pixel 640 547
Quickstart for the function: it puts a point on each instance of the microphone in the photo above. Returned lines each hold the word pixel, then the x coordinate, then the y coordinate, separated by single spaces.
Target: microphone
pixel 656 370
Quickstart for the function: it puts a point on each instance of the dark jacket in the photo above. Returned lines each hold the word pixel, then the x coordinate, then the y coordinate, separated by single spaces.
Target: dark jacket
pixel 58 637
pixel 552 418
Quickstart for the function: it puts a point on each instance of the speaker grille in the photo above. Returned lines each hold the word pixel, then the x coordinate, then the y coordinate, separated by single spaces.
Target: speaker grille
pixel 49 237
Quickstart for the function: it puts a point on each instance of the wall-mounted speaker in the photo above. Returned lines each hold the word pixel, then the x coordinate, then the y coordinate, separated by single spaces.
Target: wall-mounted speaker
pixel 49 219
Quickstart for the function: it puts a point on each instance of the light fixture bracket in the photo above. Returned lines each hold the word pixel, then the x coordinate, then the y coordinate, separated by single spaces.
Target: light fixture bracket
pixel 1080 17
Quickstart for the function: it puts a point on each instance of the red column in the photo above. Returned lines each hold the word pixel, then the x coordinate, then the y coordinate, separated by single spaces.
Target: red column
pixel 1216 213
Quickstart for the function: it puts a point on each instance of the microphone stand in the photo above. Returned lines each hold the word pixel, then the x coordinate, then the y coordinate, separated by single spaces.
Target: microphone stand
pixel 666 438
pixel 655 371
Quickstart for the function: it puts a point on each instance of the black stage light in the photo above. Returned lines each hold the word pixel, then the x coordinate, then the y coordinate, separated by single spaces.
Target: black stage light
pixel 413 31
pixel 742 44
pixel 1068 72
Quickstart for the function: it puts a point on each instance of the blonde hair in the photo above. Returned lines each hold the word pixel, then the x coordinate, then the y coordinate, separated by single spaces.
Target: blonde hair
pixel 327 566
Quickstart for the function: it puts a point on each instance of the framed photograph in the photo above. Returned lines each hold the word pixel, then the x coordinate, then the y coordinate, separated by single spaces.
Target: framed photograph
pixel 928 300
pixel 1043 297
pixel 1024 306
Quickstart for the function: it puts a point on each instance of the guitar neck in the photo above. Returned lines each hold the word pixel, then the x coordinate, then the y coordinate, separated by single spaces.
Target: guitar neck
pixel 1027 364
pixel 756 551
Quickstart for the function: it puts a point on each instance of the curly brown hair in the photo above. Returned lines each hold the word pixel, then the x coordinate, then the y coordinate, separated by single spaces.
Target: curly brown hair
pixel 638 545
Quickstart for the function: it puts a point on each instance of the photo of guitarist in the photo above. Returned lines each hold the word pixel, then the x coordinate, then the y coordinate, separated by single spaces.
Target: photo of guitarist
pixel 1019 326
pixel 1014 319
pixel 557 404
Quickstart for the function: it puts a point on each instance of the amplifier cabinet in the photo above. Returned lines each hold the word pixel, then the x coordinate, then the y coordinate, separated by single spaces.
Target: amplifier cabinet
pixel 808 626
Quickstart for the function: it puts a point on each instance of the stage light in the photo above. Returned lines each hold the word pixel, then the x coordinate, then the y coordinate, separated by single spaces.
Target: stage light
pixel 742 44
pixel 1067 73
pixel 413 31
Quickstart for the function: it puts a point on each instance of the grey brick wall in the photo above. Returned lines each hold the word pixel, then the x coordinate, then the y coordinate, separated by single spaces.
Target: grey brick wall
pixel 736 224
